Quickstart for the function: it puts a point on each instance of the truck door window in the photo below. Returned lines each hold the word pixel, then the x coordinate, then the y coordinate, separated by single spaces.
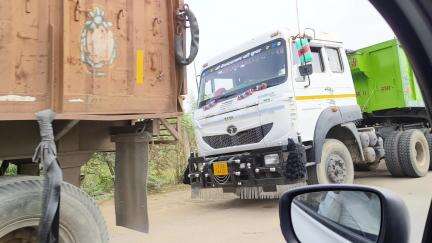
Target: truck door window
pixel 317 60
pixel 334 59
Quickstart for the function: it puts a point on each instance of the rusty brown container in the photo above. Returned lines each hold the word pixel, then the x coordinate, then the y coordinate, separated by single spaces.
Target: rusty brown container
pixel 89 59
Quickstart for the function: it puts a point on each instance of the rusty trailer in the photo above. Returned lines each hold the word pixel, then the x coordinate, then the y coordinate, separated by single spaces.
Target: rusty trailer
pixel 107 69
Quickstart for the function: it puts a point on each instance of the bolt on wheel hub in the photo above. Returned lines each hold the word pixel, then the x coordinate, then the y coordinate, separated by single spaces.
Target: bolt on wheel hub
pixel 336 169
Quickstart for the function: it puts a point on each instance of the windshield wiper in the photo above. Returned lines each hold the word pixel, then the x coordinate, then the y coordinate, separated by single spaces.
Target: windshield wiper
pixel 224 96
pixel 216 99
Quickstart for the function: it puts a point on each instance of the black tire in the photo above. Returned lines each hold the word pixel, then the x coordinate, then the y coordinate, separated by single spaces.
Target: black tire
pixel 391 154
pixel 414 153
pixel 366 167
pixel 429 139
pixel 20 211
pixel 333 150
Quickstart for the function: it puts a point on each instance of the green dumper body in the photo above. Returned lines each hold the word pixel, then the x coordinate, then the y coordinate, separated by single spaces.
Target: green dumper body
pixel 383 78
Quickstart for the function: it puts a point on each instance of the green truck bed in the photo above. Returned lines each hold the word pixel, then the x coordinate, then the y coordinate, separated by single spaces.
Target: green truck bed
pixel 383 78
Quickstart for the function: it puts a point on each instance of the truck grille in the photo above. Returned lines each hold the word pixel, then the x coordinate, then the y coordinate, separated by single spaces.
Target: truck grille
pixel 254 135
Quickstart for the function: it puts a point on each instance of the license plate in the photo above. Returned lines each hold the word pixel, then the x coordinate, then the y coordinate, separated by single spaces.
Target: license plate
pixel 220 168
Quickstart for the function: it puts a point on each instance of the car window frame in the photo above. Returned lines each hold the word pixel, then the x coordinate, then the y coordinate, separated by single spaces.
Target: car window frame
pixel 342 230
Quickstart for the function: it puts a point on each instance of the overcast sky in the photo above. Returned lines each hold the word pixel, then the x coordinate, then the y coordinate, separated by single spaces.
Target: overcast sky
pixel 227 23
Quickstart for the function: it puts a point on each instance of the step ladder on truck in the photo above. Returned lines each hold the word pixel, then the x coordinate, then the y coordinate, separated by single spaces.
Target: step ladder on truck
pixel 282 110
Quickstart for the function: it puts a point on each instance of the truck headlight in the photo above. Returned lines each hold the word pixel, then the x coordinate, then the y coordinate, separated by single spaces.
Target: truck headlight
pixel 271 159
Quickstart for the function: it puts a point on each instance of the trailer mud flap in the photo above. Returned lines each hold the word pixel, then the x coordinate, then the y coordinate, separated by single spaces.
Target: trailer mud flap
pixel 131 172
pixel 46 153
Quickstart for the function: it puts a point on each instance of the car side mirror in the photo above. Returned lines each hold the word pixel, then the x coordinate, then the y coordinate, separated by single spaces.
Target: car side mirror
pixel 343 213
pixel 305 69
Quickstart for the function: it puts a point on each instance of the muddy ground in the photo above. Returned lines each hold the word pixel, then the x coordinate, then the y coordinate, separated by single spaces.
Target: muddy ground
pixel 176 218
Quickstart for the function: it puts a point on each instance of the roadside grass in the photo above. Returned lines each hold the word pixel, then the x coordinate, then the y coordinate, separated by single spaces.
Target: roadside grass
pixel 166 166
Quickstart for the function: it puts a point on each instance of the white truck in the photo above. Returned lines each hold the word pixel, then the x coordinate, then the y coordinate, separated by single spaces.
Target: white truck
pixel 265 120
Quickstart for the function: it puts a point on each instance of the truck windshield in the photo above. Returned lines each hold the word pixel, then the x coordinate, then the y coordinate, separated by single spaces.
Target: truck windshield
pixel 263 64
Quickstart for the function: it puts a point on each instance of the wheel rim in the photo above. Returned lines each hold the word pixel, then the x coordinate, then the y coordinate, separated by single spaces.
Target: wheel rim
pixel 336 169
pixel 26 230
pixel 26 234
pixel 419 153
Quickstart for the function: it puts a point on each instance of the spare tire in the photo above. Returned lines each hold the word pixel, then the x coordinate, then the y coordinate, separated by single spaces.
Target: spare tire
pixel 391 154
pixel 414 153
pixel 21 209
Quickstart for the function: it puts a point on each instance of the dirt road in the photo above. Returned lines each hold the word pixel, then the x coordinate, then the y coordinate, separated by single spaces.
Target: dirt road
pixel 176 218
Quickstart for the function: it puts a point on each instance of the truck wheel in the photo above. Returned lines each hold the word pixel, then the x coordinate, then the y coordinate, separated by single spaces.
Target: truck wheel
pixel 21 205
pixel 336 165
pixel 391 154
pixel 429 139
pixel 414 153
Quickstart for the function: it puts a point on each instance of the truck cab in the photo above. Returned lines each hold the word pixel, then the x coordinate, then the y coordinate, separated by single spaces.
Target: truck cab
pixel 261 120
pixel 254 97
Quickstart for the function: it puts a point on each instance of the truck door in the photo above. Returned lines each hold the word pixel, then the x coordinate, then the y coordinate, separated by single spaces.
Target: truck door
pixel 340 90
pixel 311 92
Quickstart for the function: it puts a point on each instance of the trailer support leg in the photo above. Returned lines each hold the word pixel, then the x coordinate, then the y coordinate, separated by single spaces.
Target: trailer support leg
pixel 131 171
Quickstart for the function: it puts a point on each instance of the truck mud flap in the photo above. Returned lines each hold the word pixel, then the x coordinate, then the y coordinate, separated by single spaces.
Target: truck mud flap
pixel 259 193
pixel 207 194
pixel 131 172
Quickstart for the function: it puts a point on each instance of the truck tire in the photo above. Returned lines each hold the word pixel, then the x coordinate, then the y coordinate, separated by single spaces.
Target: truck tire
pixel 429 139
pixel 414 153
pixel 336 165
pixel 391 154
pixel 21 205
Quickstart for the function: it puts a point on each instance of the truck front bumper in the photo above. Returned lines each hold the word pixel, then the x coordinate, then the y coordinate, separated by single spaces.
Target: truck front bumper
pixel 249 169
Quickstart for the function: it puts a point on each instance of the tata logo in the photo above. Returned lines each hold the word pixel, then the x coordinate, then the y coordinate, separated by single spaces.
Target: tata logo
pixel 232 130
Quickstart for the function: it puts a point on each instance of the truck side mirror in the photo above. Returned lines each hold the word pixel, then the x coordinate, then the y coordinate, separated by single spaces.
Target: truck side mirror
pixel 305 55
pixel 343 213
pixel 305 69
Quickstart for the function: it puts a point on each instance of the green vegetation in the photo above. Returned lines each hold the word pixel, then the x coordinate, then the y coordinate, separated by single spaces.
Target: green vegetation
pixel 12 170
pixel 167 164
pixel 98 181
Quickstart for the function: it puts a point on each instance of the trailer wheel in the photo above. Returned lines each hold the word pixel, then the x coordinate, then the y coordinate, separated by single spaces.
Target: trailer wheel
pixel 336 165
pixel 21 208
pixel 414 153
pixel 391 154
